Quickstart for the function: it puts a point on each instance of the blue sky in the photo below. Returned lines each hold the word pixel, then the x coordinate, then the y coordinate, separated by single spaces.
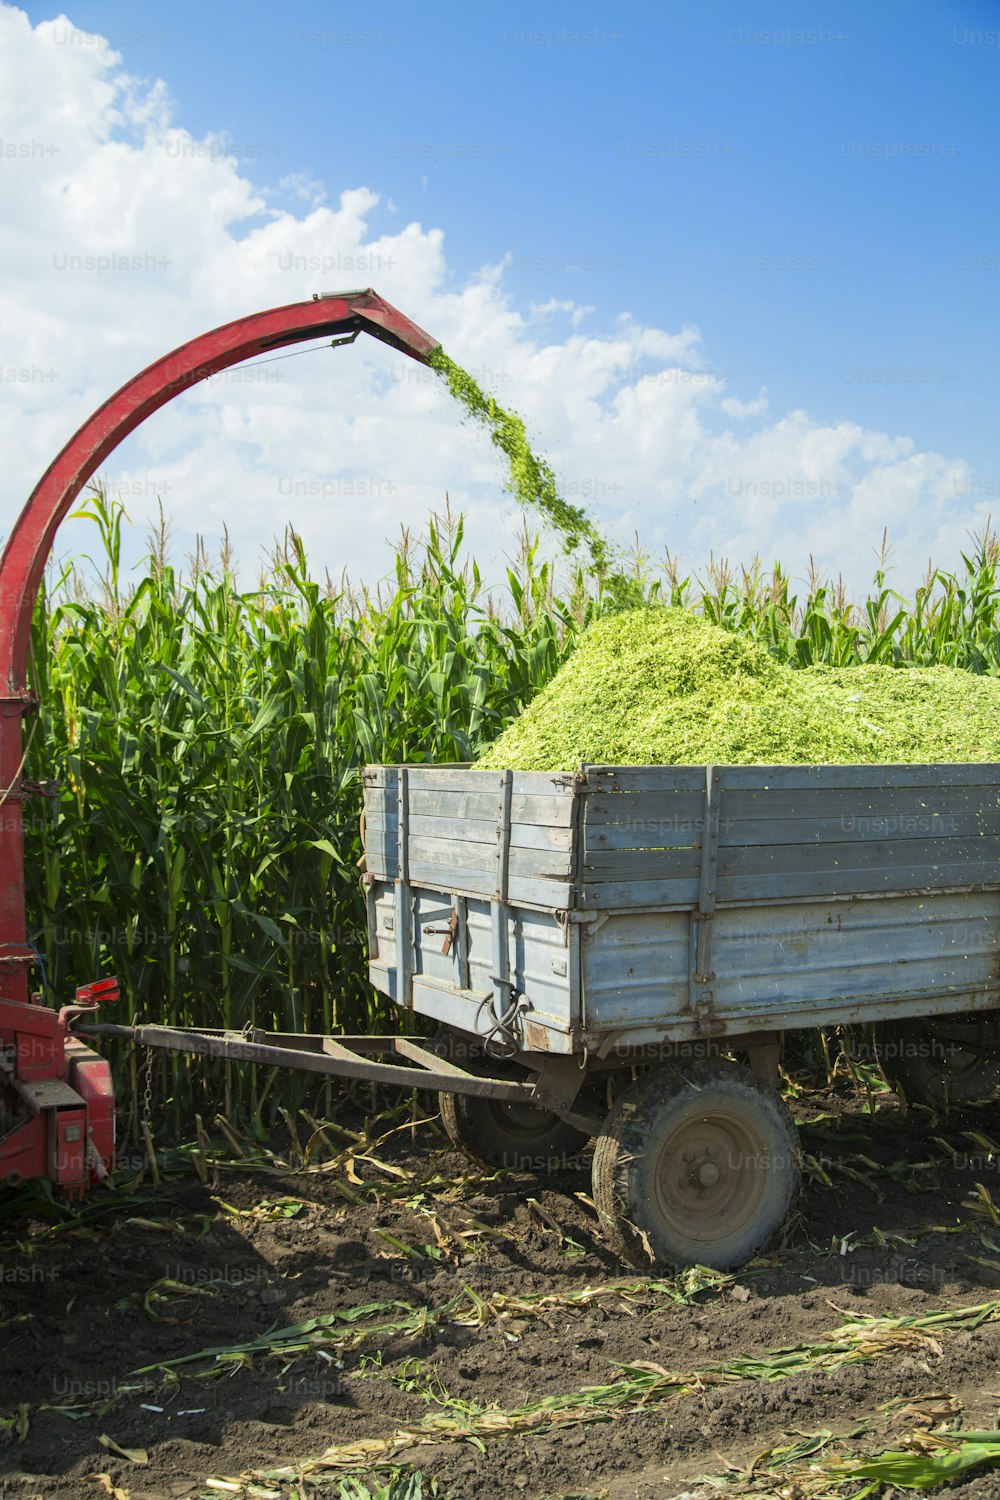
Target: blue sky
pixel 813 188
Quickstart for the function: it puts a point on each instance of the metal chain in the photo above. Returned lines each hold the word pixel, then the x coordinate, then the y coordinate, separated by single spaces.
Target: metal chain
pixel 147 1093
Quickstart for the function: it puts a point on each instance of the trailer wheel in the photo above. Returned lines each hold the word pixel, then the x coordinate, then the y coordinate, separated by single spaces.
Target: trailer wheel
pixel 695 1165
pixel 520 1137
pixel 941 1061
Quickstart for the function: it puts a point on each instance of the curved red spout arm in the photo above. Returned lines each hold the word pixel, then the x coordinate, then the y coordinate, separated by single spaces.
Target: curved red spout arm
pixel 340 314
pixel 31 539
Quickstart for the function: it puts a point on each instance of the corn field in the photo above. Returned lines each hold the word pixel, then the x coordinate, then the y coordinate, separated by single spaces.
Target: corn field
pixel 207 739
pixel 207 742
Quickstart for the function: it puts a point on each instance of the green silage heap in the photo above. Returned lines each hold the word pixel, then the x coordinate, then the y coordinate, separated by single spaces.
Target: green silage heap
pixel 662 686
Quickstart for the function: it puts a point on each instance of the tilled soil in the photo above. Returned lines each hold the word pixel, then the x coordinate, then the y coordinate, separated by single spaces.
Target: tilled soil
pixel 890 1223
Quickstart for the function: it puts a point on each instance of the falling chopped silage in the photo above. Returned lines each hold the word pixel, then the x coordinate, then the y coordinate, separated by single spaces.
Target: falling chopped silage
pixel 531 481
pixel 659 686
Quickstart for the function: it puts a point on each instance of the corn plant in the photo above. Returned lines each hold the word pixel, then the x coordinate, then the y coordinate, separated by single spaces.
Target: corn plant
pixel 207 740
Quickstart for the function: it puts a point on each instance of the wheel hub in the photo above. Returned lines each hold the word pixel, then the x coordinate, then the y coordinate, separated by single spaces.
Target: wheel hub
pixel 520 1119
pixel 710 1177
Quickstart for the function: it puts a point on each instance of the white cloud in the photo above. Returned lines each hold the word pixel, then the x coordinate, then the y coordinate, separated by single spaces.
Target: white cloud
pixel 734 407
pixel 350 445
pixel 576 313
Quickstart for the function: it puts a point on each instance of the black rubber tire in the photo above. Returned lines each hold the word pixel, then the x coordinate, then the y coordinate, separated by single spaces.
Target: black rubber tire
pixel 926 1060
pixel 519 1137
pixel 713 1120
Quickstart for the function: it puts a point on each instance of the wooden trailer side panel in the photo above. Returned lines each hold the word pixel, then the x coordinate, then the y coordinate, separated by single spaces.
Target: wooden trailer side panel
pixel 782 965
pixel 787 833
pixel 799 895
pixel 683 902
pixel 471 880
pixel 484 833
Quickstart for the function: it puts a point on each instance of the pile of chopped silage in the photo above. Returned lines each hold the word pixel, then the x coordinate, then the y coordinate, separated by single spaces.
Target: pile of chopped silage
pixel 661 686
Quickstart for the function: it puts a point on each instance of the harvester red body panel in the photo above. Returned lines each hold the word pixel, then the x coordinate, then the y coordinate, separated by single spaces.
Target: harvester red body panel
pixel 56 1095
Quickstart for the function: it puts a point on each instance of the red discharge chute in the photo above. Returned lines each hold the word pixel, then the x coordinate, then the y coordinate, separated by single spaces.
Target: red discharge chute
pixel 340 315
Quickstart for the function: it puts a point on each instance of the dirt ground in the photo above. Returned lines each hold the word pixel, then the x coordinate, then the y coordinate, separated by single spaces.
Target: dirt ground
pixel 506 1295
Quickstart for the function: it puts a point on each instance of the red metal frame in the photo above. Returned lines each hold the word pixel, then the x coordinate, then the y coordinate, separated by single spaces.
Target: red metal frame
pixel 60 1090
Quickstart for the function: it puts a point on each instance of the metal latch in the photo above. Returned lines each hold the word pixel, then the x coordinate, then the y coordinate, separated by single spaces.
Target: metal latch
pixel 451 933
pixel 40 788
